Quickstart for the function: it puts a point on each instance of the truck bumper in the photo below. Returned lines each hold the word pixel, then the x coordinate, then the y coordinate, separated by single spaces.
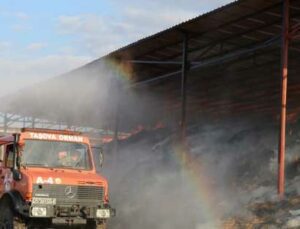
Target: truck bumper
pixel 72 212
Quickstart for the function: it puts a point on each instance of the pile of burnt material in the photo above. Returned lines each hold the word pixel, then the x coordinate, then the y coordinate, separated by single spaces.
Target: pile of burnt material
pixel 222 170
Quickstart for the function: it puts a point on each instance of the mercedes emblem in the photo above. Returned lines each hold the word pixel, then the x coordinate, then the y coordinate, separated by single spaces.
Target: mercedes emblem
pixel 69 192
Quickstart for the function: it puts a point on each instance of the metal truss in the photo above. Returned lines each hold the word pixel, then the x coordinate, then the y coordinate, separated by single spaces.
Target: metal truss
pixel 13 122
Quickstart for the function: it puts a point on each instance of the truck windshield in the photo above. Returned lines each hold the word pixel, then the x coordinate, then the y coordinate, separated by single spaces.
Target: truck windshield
pixel 55 154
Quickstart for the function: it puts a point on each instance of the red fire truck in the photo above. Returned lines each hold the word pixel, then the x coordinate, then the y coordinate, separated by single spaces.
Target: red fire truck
pixel 48 179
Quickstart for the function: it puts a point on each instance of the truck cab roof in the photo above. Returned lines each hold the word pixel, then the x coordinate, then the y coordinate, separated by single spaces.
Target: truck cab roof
pixel 10 137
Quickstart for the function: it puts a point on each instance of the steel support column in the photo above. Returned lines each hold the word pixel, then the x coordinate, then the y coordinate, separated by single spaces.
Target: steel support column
pixel 116 130
pixel 116 85
pixel 32 122
pixel 5 122
pixel 184 71
pixel 284 78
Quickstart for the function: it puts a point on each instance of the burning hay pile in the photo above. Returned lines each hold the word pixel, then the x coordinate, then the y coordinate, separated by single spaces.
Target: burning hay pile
pixel 276 214
pixel 225 179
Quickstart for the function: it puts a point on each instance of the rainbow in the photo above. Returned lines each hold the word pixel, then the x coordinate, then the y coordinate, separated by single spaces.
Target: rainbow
pixel 201 184
pixel 190 166
pixel 123 70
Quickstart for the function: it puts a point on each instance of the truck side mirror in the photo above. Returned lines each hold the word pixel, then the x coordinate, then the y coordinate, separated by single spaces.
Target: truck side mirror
pixel 18 161
pixel 16 175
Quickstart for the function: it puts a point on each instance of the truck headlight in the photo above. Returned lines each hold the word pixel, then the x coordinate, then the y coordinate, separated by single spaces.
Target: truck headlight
pixel 39 211
pixel 103 213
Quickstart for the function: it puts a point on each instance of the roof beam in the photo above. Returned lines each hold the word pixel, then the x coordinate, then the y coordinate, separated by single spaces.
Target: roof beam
pixel 212 61
pixel 243 33
pixel 252 14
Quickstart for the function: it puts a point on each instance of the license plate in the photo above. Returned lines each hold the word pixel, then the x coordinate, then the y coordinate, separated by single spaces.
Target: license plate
pixel 38 200
pixel 103 213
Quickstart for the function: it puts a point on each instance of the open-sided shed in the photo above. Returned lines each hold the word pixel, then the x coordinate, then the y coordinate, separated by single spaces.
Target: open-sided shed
pixel 233 61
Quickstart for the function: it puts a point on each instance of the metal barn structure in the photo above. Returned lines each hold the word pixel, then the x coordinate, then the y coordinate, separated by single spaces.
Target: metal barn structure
pixel 240 59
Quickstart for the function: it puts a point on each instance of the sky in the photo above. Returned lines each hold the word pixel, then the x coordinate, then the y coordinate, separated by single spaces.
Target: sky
pixel 40 39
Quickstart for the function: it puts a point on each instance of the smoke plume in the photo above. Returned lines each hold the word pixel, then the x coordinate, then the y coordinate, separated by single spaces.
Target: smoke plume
pixel 154 182
pixel 152 188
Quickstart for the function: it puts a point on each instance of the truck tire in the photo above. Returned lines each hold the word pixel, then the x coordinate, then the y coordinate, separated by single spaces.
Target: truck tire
pixel 6 216
pixel 7 219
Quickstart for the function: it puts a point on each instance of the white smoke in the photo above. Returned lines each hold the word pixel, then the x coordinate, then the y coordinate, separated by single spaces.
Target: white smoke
pixel 149 186
pixel 151 189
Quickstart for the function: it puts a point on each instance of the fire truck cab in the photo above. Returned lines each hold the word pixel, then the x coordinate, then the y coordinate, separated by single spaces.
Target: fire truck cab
pixel 48 179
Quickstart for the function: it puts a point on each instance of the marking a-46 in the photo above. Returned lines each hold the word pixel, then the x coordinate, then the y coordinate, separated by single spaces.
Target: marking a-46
pixel 49 180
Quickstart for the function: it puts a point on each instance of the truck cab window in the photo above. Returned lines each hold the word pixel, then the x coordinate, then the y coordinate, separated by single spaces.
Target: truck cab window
pixel 56 154
pixel 9 156
pixel 2 153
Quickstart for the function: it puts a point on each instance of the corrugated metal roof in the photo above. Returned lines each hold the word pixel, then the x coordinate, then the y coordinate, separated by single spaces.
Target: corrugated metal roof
pixel 174 27
pixel 234 53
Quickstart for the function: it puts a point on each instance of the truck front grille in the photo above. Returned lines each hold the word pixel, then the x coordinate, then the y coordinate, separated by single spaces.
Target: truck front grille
pixel 69 193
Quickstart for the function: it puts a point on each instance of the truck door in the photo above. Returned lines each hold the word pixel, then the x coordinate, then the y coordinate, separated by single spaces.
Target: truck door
pixel 6 178
pixel 2 156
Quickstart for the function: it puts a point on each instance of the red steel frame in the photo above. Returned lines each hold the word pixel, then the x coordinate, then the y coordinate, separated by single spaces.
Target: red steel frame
pixel 284 78
pixel 287 35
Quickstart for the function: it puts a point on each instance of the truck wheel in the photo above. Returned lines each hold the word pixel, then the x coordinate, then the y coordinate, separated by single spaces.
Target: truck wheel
pixel 7 220
pixel 6 217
